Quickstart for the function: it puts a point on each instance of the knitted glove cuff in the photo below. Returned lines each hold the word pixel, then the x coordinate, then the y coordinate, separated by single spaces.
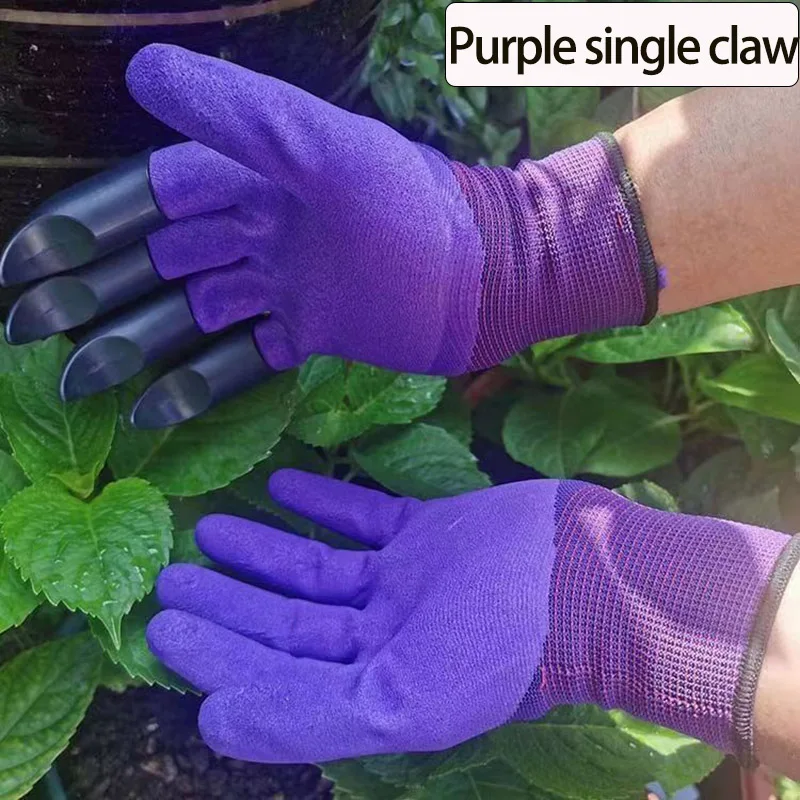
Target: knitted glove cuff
pixel 663 615
pixel 745 695
pixel 564 248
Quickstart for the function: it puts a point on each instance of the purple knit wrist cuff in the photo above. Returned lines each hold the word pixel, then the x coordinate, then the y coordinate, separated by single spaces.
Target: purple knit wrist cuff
pixel 565 248
pixel 663 615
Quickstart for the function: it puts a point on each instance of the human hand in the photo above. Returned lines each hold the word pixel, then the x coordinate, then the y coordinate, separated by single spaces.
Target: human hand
pixel 355 241
pixel 463 614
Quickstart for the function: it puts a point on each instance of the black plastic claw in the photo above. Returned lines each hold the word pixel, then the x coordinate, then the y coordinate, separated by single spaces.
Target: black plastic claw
pixel 67 301
pixel 121 348
pixel 228 367
pixel 83 223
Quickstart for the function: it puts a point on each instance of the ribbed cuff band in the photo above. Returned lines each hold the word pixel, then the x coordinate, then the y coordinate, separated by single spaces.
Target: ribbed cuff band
pixel 647 261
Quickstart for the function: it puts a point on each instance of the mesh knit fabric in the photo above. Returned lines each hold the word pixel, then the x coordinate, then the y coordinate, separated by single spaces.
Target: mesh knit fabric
pixel 650 612
pixel 560 251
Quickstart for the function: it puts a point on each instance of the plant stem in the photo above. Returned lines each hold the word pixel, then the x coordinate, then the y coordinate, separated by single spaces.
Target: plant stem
pixel 688 383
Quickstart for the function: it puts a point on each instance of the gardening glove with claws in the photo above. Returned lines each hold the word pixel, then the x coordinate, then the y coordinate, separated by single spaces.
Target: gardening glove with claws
pixel 466 613
pixel 356 241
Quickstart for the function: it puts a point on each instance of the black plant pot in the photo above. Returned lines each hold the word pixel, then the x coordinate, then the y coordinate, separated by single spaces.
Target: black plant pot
pixel 64 109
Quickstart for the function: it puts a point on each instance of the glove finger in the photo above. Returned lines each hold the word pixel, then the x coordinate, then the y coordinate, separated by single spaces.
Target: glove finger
pixel 276 129
pixel 160 327
pixel 301 628
pixel 298 716
pixel 366 515
pixel 276 346
pixel 210 656
pixel 286 562
pixel 230 365
pixel 189 179
pixel 227 295
pixel 199 243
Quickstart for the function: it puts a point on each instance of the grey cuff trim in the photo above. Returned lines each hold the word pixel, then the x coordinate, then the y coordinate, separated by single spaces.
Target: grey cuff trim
pixel 744 697
pixel 647 261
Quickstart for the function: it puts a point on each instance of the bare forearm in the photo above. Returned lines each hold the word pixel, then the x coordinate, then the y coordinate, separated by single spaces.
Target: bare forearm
pixel 718 174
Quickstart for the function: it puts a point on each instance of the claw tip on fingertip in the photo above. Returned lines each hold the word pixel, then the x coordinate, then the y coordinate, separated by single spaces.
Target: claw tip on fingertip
pixel 177 397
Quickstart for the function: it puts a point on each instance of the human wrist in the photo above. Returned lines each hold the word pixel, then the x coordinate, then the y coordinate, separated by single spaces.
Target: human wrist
pixel 565 249
pixel 659 614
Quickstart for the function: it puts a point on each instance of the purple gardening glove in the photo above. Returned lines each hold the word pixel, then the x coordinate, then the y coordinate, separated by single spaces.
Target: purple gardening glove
pixel 365 245
pixel 464 614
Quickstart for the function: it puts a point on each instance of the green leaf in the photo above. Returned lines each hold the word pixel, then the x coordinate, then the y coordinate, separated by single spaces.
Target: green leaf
pixel 705 489
pixel 493 781
pixel 427 66
pixel 50 438
pixel 420 461
pixel 683 760
pixel 132 653
pixel 759 383
pixel 99 557
pixel 647 493
pixel 252 488
pixel 133 656
pixel 416 769
pixel 354 780
pixel 12 478
pixel 45 692
pixel 12 357
pixel 786 302
pixel 551 106
pixel 783 343
pixel 713 329
pixel 428 32
pixel 453 414
pixel 602 427
pixel 764 438
pixel 17 599
pixel 211 451
pixel 587 753
pixel 185 550
pixel 787 789
pixel 478 96
pixel 572 131
pixel 651 97
pixel 758 508
pixel 342 401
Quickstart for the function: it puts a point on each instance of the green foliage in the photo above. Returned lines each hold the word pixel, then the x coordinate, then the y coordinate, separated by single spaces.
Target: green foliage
pixel 421 460
pixel 786 789
pixel 98 557
pixel 713 329
pixel 48 438
pixel 45 694
pixel 605 427
pixel 211 451
pixel 341 400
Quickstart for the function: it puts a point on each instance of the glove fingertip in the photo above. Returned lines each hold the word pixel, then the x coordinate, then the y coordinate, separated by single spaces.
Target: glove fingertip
pixel 149 68
pixel 161 632
pixel 217 720
pixel 275 346
pixel 285 484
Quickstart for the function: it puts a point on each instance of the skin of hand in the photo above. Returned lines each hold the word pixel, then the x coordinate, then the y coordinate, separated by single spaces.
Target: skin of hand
pixel 718 177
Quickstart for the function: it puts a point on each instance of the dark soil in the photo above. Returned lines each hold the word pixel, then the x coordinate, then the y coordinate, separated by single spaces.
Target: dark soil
pixel 144 745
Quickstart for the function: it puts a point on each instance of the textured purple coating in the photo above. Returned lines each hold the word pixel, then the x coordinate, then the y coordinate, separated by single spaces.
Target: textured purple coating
pixel 362 244
pixel 462 614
